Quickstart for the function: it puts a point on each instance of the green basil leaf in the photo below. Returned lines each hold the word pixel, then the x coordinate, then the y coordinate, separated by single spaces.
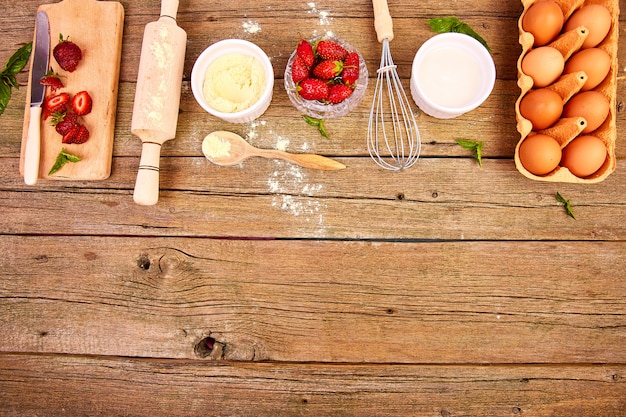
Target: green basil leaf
pixel 566 203
pixel 5 96
pixel 319 123
pixel 7 76
pixel 19 59
pixel 62 159
pixel 453 24
pixel 475 147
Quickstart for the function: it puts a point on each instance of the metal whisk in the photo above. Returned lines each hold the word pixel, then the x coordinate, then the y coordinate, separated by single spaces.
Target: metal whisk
pixel 391 111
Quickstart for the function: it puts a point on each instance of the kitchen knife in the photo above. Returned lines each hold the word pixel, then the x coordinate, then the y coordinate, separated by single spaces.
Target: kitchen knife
pixel 41 59
pixel 157 96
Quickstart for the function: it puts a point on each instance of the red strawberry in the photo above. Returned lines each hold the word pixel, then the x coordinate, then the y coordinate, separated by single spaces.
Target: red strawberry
pixel 71 134
pixel 326 70
pixel 305 51
pixel 313 89
pixel 338 93
pixel 82 135
pixel 67 54
pixel 77 134
pixel 299 70
pixel 81 103
pixel 52 80
pixel 350 69
pixel 55 104
pixel 63 122
pixel 328 49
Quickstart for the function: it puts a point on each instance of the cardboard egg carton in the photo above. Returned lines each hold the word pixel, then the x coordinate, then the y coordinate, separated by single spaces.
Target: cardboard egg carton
pixel 567 129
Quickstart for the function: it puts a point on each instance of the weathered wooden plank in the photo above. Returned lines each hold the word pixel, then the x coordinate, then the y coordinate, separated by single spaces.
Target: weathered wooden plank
pixel 437 199
pixel 475 302
pixel 76 386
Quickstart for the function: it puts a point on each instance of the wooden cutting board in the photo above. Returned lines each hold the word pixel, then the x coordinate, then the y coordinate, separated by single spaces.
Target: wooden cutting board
pixel 95 26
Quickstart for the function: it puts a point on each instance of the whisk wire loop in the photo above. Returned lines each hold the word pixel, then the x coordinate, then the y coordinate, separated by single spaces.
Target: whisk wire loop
pixel 403 150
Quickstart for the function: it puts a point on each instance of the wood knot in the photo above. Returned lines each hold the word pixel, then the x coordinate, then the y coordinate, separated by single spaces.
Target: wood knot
pixel 143 262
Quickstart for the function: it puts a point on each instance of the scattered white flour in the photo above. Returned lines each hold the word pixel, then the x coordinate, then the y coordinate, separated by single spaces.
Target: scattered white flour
pixel 251 27
pixel 282 144
pixel 324 15
pixel 292 193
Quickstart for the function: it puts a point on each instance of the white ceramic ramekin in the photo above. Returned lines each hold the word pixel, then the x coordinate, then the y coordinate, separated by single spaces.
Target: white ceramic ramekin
pixel 452 74
pixel 228 47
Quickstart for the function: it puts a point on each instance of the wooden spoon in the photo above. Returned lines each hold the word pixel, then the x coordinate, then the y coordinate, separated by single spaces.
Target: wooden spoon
pixel 228 148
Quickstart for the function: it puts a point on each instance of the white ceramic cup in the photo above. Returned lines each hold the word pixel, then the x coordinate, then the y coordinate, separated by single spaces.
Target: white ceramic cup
pixel 452 74
pixel 228 47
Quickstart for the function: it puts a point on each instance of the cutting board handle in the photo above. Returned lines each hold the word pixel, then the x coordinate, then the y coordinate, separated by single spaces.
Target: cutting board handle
pixel 147 185
pixel 169 8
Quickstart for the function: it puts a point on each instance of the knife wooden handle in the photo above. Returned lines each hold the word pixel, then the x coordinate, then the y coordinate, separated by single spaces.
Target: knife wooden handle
pixel 32 149
pixel 147 184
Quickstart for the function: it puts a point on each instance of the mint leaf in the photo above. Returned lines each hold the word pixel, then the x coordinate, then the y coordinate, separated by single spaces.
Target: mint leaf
pixel 475 147
pixel 567 204
pixel 452 24
pixel 62 159
pixel 7 76
pixel 319 123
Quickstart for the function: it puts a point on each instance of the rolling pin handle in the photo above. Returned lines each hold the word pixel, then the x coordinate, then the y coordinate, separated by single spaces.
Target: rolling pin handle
pixel 169 8
pixel 147 185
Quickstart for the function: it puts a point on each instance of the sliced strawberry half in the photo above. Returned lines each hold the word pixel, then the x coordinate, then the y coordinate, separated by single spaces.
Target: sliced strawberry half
pixel 81 103
pixel 56 104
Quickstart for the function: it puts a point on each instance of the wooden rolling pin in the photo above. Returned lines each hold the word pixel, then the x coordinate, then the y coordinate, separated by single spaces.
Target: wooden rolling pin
pixel 157 97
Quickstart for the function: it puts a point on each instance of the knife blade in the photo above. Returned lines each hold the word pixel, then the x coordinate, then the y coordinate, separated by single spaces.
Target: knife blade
pixel 41 60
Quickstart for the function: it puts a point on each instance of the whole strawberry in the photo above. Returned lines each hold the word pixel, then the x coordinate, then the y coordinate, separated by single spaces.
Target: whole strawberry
pixel 305 51
pixel 350 73
pixel 67 54
pixel 338 93
pixel 327 70
pixel 331 50
pixel 299 70
pixel 313 89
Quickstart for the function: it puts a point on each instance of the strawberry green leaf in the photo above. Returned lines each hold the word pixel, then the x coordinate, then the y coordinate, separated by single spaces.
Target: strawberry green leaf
pixel 62 159
pixel 452 24
pixel 566 204
pixel 475 147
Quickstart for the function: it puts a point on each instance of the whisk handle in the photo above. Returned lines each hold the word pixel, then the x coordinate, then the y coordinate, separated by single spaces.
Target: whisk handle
pixel 382 20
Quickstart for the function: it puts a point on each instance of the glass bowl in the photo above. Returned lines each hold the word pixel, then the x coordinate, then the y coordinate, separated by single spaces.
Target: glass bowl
pixel 317 109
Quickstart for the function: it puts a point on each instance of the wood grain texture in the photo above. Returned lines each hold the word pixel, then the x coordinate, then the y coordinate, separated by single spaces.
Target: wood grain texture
pixel 183 388
pixel 268 289
pixel 448 302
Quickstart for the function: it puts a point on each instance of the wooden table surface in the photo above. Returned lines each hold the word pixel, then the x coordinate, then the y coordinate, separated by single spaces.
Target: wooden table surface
pixel 267 289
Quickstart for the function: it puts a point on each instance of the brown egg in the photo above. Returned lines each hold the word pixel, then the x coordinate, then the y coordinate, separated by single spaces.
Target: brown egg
pixel 539 154
pixel 596 18
pixel 584 155
pixel 542 107
pixel 592 105
pixel 594 61
pixel 544 65
pixel 544 20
